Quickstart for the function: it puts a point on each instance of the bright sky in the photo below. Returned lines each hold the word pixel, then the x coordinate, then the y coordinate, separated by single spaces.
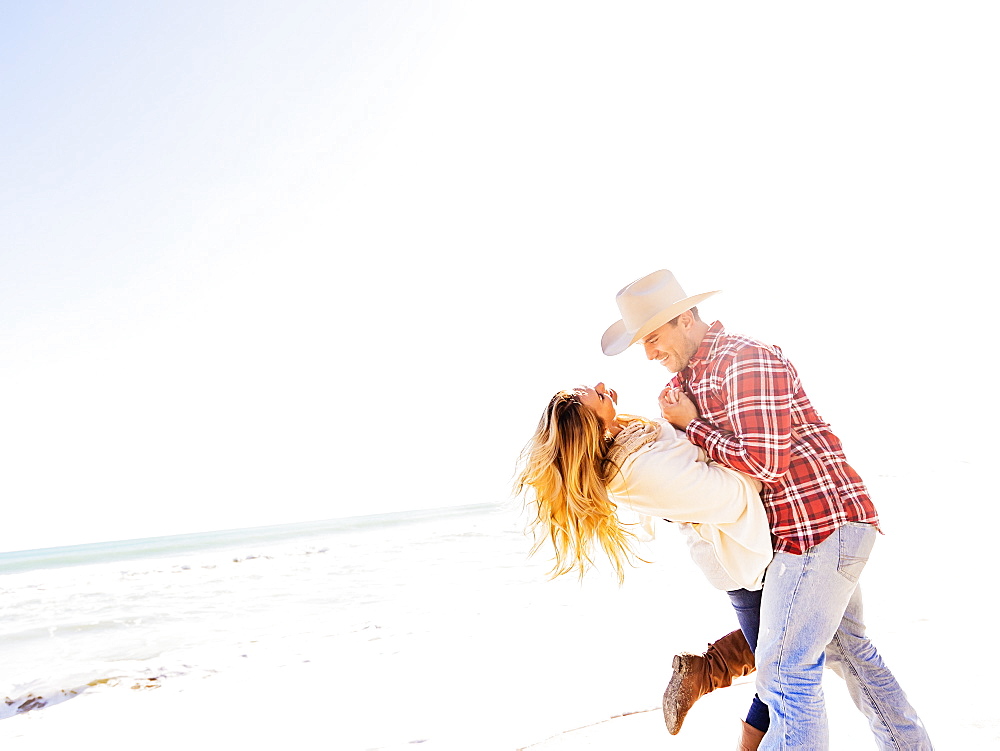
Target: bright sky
pixel 271 262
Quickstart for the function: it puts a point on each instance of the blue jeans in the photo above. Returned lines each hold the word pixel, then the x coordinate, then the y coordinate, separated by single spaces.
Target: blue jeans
pixel 811 616
pixel 746 603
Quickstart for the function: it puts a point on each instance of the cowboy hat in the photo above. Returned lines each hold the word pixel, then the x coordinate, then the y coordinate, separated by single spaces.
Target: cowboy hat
pixel 646 304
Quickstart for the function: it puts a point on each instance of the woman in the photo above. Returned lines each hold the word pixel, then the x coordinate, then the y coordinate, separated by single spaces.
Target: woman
pixel 585 459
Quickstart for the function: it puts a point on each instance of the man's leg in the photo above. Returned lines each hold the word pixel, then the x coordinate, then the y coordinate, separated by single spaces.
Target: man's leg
pixel 872 686
pixel 804 601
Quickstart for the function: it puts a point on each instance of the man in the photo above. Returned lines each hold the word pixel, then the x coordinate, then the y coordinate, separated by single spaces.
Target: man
pixel 743 403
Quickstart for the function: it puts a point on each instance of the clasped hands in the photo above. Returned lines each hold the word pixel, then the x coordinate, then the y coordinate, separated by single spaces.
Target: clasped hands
pixel 677 408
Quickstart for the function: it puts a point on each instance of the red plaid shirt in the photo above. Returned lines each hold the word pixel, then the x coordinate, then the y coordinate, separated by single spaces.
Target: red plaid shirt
pixel 756 418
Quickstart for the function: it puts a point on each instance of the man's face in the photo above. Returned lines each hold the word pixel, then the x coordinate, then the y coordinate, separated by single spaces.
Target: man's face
pixel 673 344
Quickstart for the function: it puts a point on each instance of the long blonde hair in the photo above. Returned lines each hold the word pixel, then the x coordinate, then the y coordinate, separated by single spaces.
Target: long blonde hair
pixel 564 475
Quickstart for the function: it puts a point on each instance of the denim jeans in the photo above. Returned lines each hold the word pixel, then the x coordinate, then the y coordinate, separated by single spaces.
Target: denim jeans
pixel 811 615
pixel 746 603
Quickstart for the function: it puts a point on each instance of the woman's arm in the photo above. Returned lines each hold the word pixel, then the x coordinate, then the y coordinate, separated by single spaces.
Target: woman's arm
pixel 667 480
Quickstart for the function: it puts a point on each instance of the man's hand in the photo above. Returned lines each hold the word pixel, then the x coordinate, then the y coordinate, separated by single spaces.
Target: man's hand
pixel 677 408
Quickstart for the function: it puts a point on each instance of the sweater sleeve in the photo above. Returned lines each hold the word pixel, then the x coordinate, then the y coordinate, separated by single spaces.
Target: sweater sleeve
pixel 668 480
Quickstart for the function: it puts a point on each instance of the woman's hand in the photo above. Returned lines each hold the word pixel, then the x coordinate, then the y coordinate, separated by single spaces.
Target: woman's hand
pixel 677 408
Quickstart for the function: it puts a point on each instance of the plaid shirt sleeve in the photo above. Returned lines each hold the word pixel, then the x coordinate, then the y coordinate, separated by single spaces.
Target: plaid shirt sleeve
pixel 756 387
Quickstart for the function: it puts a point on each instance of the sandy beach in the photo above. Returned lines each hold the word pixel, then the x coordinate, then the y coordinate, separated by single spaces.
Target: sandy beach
pixel 229 711
pixel 559 666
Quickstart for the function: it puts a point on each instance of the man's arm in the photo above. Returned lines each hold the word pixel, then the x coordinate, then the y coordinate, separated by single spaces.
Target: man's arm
pixel 757 389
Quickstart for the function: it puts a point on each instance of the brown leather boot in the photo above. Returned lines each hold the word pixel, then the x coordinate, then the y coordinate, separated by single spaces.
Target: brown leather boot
pixel 750 739
pixel 696 675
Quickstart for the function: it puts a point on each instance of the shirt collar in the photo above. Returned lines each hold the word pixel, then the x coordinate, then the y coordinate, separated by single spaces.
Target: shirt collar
pixel 710 344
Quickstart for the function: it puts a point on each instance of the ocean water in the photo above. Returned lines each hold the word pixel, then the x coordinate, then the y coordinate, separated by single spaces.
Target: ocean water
pixel 143 611
pixel 438 617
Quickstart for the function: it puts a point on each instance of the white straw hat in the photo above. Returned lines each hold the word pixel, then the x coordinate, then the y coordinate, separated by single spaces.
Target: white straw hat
pixel 646 304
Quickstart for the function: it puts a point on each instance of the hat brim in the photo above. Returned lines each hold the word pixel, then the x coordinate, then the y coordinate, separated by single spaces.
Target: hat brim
pixel 617 338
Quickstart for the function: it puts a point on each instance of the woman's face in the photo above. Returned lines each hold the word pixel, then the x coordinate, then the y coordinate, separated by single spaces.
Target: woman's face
pixel 601 400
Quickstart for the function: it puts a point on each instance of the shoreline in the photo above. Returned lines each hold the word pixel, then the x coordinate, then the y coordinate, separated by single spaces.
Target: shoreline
pixel 499 659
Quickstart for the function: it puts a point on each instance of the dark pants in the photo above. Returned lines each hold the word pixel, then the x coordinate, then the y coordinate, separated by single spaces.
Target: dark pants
pixel 747 606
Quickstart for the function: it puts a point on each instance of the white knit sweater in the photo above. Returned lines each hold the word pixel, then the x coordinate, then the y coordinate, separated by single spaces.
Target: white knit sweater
pixel 719 509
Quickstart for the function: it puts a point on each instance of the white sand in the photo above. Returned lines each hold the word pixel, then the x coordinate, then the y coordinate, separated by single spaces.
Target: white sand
pixel 228 711
pixel 548 667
